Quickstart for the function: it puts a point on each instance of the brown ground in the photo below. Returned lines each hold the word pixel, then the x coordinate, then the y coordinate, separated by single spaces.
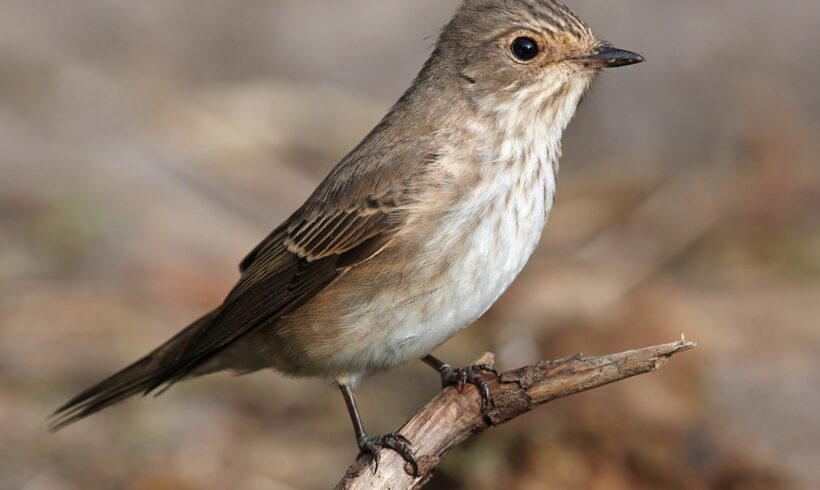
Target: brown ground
pixel 147 145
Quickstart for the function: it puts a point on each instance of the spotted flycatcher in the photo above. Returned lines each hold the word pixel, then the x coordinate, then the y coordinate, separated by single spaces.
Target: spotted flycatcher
pixel 415 233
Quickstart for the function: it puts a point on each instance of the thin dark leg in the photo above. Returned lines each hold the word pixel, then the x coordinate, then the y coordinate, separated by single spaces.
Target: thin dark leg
pixel 353 411
pixel 461 376
pixel 434 363
pixel 372 444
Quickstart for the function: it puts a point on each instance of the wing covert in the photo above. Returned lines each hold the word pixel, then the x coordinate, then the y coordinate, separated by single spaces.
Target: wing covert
pixel 352 216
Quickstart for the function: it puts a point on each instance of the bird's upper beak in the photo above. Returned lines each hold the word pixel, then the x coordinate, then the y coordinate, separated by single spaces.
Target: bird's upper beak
pixel 609 57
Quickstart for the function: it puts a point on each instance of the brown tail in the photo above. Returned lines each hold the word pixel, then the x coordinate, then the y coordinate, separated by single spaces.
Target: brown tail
pixel 143 377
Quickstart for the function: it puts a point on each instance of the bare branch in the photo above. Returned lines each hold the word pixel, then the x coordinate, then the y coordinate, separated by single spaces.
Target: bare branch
pixel 452 416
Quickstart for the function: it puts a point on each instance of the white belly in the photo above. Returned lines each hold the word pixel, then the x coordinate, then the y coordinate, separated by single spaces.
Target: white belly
pixel 506 218
pixel 471 258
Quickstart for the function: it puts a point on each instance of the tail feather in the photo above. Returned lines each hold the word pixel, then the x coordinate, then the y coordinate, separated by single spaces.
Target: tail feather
pixel 143 376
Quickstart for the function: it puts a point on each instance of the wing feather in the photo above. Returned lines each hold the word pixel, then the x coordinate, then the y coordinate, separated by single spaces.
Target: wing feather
pixel 351 217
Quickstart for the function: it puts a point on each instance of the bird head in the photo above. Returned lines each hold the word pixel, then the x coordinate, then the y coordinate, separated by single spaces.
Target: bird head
pixel 526 54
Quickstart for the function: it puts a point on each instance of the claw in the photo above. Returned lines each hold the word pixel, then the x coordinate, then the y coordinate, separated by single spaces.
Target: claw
pixel 397 442
pixel 471 374
pixel 403 439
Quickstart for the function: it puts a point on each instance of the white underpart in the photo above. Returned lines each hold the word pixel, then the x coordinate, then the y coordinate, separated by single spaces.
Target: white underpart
pixel 508 211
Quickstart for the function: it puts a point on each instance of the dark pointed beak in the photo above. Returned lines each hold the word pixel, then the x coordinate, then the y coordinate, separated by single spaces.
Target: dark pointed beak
pixel 609 57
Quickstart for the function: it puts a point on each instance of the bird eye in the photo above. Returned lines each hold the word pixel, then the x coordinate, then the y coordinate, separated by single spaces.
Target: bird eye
pixel 525 48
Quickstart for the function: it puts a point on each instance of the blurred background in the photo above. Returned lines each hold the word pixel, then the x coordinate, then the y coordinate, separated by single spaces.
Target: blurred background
pixel 145 147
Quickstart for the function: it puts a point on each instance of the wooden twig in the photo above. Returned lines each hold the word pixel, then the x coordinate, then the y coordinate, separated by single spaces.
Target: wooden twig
pixel 452 416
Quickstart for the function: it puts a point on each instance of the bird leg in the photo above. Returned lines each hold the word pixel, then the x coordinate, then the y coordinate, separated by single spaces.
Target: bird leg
pixel 373 444
pixel 463 375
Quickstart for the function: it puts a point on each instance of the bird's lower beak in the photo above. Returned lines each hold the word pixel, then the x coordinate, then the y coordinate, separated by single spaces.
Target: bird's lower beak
pixel 609 57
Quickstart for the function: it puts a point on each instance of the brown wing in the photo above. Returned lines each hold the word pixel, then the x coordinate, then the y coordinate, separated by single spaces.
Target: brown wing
pixel 355 202
pixel 353 215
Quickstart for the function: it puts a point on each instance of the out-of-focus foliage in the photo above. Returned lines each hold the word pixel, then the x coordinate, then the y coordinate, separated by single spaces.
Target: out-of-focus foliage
pixel 145 146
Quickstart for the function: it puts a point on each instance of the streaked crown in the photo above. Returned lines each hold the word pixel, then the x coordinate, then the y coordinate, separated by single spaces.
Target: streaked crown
pixel 547 15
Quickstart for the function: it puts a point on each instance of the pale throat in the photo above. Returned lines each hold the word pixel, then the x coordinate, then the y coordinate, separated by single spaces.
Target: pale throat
pixel 530 123
pixel 521 158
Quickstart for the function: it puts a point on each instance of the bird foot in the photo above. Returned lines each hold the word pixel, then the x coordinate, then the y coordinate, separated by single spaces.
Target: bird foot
pixel 373 444
pixel 458 377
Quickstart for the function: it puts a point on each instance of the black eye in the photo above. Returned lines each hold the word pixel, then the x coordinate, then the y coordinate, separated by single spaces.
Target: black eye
pixel 525 48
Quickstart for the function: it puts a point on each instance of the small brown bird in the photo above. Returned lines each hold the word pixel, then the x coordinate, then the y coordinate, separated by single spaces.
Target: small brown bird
pixel 415 233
